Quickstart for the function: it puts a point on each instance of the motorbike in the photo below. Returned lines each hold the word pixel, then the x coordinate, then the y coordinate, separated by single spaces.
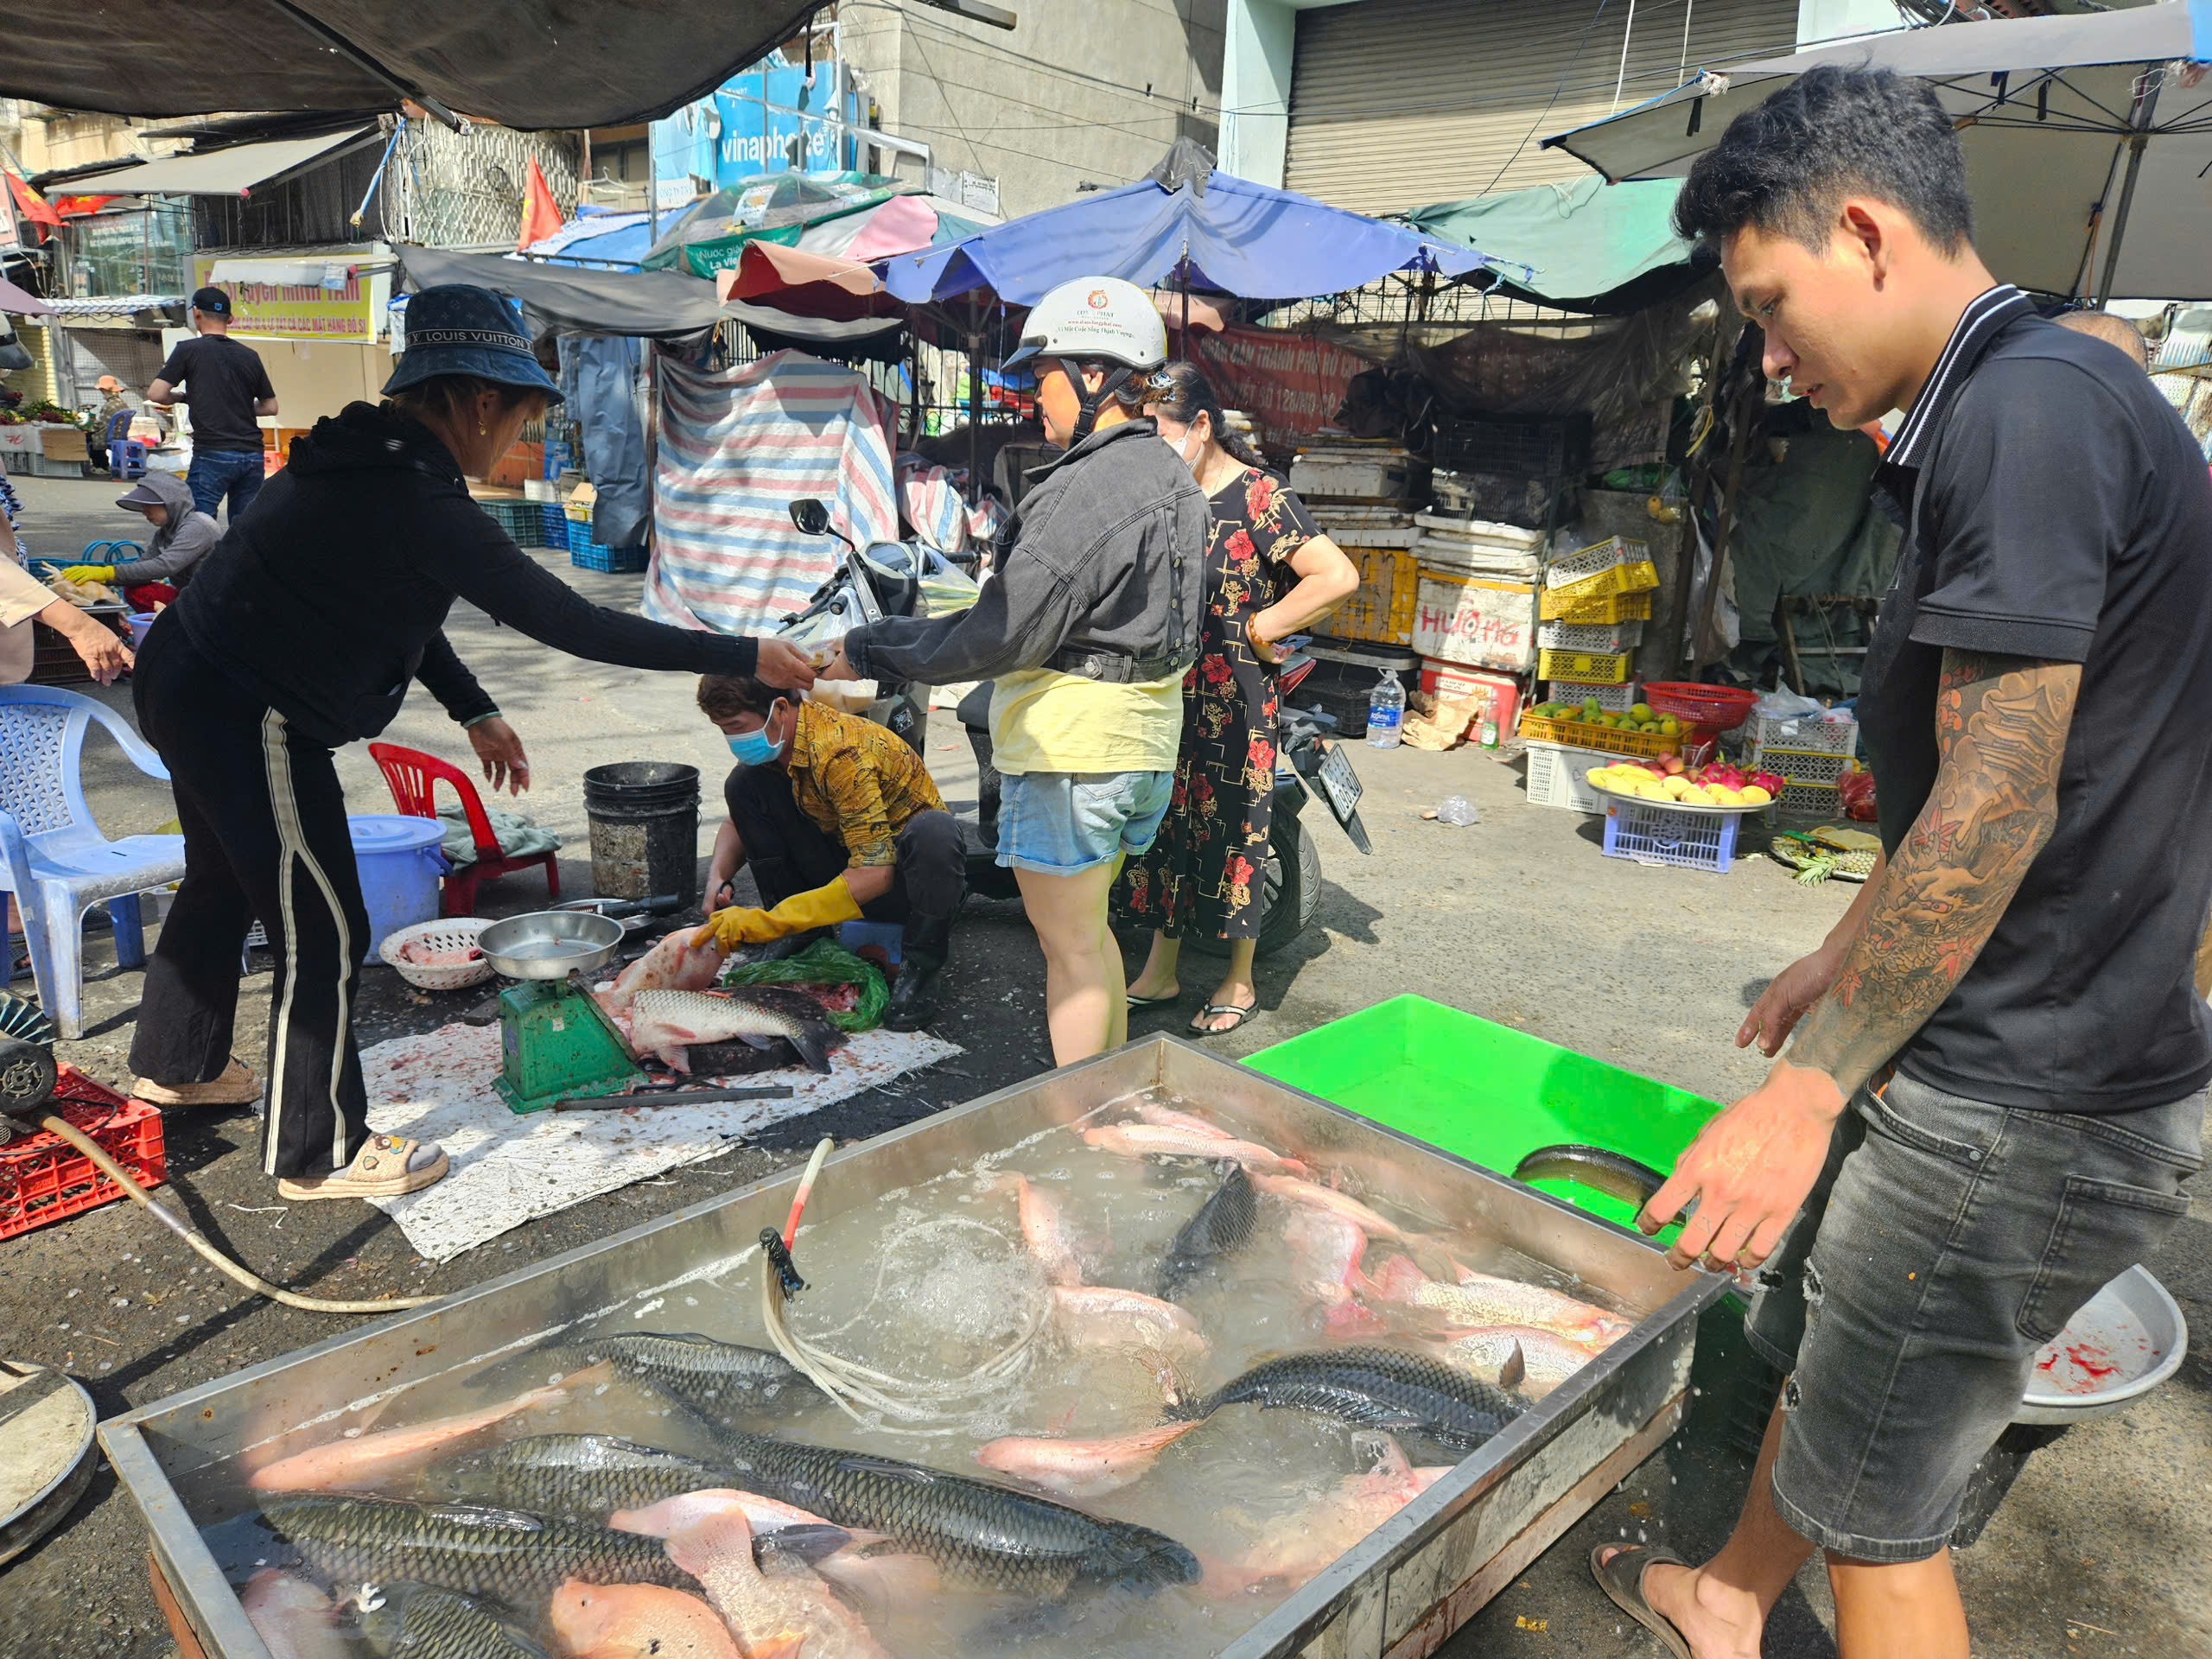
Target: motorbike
pixel 897 578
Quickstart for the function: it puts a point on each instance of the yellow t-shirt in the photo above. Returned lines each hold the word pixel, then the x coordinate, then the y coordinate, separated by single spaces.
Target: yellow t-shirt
pixel 1045 721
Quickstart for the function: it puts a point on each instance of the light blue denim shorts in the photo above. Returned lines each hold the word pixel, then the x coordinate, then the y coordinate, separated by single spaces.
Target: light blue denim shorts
pixel 1064 822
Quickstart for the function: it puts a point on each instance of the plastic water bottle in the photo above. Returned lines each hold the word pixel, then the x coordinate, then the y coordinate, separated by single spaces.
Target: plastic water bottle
pixel 1386 711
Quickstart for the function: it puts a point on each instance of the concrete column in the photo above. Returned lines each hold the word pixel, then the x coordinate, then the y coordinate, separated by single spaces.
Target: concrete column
pixel 1258 44
pixel 1831 19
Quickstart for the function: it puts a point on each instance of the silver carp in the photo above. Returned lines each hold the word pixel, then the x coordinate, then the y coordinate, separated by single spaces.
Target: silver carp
pixel 668 1023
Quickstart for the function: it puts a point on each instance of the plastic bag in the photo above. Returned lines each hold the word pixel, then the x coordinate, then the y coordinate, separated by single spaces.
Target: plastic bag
pixel 1456 809
pixel 824 963
pixel 1783 703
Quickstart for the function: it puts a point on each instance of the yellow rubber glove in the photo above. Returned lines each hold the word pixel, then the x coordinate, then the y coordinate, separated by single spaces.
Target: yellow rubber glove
pixel 88 573
pixel 822 906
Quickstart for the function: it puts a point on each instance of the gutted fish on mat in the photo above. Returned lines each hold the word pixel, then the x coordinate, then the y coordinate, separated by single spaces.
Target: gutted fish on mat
pixel 637 1621
pixel 425 1621
pixel 674 964
pixel 1081 1468
pixel 976 1532
pixel 507 1554
pixel 1154 1140
pixel 1222 1227
pixel 383 1455
pixel 1371 1387
pixel 667 1023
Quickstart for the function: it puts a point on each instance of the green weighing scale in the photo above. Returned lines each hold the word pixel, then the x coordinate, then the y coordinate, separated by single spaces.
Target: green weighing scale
pixel 555 1043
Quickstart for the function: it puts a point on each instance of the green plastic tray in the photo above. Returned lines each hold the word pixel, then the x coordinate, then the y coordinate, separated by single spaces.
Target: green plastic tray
pixel 1487 1092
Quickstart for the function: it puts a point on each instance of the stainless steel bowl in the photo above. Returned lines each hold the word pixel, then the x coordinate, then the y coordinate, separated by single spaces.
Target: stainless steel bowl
pixel 551 943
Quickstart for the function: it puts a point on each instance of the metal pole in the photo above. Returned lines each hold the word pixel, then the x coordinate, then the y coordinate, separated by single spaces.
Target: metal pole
pixel 2137 144
pixel 1620 78
pixel 652 191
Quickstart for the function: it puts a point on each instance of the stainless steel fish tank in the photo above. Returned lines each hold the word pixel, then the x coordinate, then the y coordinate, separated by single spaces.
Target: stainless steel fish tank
pixel 1399 1591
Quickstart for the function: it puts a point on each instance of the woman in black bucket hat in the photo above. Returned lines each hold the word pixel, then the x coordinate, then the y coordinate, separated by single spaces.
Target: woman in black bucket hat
pixel 301 633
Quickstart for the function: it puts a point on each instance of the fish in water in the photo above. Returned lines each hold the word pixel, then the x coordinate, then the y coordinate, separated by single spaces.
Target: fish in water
pixel 782 1603
pixel 507 1554
pixel 1294 1547
pixel 672 1515
pixel 674 964
pixel 1100 1316
pixel 637 1621
pixel 577 1476
pixel 1222 1227
pixel 1547 1358
pixel 1156 1141
pixel 293 1618
pixel 1314 1196
pixel 722 1379
pixel 1081 1468
pixel 1371 1387
pixel 667 1023
pixel 427 1621
pixel 1485 1298
pixel 872 1580
pixel 370 1459
pixel 1167 1117
pixel 1045 1230
pixel 1609 1172
pixel 978 1533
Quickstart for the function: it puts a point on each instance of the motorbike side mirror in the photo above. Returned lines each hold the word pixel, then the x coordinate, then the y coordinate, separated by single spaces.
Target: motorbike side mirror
pixel 811 517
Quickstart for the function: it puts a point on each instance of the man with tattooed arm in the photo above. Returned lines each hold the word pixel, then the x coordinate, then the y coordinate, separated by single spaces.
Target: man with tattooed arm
pixel 1995 1084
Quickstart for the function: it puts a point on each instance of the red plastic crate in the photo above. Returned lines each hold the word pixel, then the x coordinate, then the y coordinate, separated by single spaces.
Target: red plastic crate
pixel 44 1179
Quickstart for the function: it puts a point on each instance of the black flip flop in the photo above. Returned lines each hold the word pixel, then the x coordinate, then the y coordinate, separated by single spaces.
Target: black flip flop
pixel 1136 1002
pixel 1212 1008
pixel 1622 1578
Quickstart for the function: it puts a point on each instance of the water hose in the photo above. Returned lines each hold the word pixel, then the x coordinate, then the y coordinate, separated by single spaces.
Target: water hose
pixel 950 1402
pixel 138 1195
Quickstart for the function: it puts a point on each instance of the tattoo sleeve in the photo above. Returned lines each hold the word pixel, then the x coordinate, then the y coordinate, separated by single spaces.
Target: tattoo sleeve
pixel 2000 725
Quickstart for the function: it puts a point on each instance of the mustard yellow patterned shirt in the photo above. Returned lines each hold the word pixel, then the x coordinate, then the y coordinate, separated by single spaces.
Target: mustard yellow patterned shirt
pixel 857 781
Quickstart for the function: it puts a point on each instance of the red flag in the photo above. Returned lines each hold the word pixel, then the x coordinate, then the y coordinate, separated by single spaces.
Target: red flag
pixel 540 214
pixel 76 206
pixel 33 206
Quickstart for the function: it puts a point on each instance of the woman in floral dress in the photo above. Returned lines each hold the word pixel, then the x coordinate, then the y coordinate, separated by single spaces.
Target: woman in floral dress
pixel 1269 574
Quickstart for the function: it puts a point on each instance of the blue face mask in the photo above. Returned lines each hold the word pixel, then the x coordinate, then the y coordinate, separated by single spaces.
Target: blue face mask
pixel 753 748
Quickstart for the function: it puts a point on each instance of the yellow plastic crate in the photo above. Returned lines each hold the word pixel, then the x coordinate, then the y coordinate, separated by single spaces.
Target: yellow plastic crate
pixel 1604 667
pixel 1636 576
pixel 1554 606
pixel 1380 609
pixel 1611 739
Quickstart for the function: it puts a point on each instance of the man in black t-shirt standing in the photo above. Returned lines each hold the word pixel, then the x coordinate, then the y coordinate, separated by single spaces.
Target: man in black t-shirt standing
pixel 1996 1085
pixel 227 388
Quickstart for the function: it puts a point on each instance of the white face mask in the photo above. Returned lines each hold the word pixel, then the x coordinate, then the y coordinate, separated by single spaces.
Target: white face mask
pixel 1188 459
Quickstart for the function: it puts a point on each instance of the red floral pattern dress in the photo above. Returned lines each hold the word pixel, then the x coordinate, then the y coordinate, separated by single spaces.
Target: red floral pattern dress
pixel 1203 874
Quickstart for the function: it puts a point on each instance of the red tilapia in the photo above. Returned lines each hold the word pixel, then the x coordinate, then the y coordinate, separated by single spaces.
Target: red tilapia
pixel 1166 1118
pixel 1153 1139
pixel 368 1460
pixel 674 1515
pixel 293 1618
pixel 1081 1468
pixel 1101 1316
pixel 1045 1230
pixel 1294 1547
pixel 637 1621
pixel 776 1604
pixel 674 964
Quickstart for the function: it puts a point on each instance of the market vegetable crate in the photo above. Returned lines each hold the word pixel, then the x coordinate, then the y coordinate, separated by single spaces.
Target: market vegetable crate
pixel 1648 833
pixel 1613 699
pixel 1600 667
pixel 1590 636
pixel 1797 766
pixel 1556 776
pixel 1612 566
pixel 1555 606
pixel 1810 803
pixel 1380 609
pixel 1801 734
pixel 1611 740
pixel 1488 1093
pixel 588 554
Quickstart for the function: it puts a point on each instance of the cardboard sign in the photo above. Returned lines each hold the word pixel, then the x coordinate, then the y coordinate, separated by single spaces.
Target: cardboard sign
pixel 1467 620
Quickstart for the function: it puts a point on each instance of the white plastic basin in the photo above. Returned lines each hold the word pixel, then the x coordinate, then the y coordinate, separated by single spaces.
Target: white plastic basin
pixel 2126 1339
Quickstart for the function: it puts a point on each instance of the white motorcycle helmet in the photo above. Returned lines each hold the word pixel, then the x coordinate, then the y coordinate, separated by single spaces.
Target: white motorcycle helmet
pixel 1097 319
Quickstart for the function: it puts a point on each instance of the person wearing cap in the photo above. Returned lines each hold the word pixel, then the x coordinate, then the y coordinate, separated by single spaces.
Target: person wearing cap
pixel 228 389
pixel 300 632
pixel 182 535
pixel 1088 626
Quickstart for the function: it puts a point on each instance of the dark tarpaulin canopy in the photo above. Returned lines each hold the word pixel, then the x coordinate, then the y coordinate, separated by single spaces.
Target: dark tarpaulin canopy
pixel 651 304
pixel 522 63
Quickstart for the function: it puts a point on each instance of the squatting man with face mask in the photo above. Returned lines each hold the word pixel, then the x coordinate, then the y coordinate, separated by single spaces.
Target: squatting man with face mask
pixel 838 820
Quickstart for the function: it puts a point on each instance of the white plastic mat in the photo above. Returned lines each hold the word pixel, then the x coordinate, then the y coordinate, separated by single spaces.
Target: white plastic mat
pixel 509 1169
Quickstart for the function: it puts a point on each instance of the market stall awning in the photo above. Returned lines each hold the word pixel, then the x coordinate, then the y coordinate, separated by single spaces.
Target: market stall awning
pixel 2048 109
pixel 236 170
pixel 1232 236
pixel 530 64
pixel 115 305
pixel 22 304
pixel 1586 246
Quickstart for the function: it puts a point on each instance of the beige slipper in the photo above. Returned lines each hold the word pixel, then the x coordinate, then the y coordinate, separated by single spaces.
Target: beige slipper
pixel 387 1167
pixel 236 1087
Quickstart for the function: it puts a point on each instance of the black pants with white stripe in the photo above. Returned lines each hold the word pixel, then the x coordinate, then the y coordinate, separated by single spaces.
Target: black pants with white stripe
pixel 264 836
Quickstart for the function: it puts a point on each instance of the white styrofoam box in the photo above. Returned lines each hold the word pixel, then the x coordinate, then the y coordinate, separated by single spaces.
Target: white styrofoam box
pixel 1367 535
pixel 1352 476
pixel 1476 620
pixel 1510 538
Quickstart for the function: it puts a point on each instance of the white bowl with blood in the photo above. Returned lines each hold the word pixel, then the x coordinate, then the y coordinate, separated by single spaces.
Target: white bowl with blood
pixel 2126 1340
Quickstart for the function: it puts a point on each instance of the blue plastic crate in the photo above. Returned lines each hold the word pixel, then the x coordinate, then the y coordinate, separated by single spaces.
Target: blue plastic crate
pixel 1651 834
pixel 588 554
pixel 553 527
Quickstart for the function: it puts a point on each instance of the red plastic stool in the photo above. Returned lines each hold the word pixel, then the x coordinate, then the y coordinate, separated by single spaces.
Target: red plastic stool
pixel 414 777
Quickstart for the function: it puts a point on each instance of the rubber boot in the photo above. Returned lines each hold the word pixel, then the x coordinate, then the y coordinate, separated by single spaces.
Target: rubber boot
pixel 921 958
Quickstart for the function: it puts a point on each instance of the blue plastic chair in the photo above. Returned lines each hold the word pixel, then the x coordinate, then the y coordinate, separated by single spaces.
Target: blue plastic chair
pixel 54 859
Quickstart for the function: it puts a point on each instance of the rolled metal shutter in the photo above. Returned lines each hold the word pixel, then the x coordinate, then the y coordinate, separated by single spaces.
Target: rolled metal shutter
pixel 1397 103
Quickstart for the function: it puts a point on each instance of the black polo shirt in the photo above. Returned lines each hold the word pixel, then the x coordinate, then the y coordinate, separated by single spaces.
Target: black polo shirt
pixel 2058 508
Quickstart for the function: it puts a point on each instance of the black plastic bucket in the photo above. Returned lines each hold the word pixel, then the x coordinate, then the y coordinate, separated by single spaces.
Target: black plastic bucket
pixel 644 829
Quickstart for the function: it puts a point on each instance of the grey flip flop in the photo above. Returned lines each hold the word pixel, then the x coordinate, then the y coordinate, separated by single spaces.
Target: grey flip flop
pixel 1622 1578
pixel 1213 1008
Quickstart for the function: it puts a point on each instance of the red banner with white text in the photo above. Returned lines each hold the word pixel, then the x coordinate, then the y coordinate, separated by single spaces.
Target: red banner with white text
pixel 1290 385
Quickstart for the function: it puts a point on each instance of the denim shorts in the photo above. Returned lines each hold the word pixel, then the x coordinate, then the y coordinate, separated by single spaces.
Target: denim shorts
pixel 1945 1243
pixel 1063 823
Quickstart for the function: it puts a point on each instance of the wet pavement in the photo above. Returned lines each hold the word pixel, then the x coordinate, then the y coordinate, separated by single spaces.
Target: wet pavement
pixel 2099 1548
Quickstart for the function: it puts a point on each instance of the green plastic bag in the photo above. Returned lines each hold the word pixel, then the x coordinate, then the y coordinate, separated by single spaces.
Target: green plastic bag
pixel 824 963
